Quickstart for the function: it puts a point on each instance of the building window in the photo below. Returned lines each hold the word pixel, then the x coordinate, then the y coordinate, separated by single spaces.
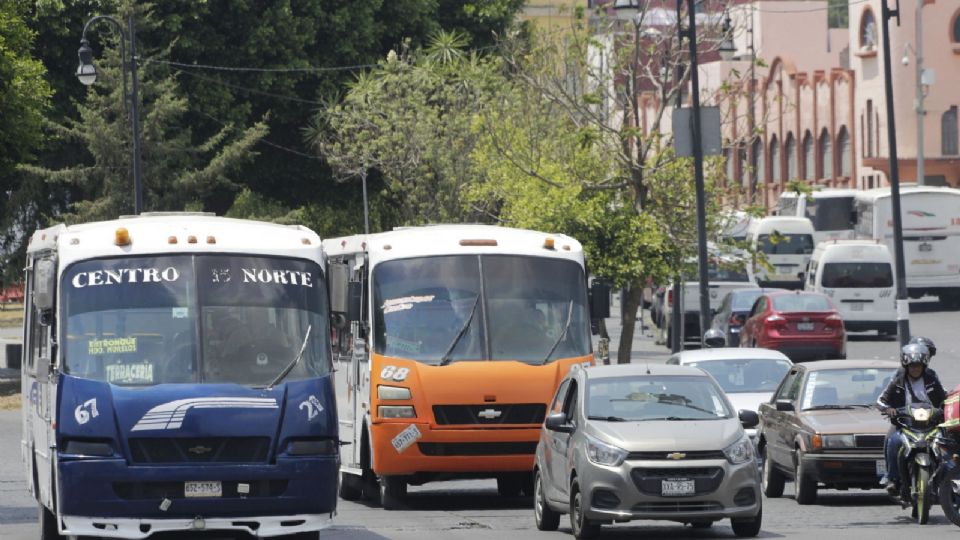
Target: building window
pixel 948 132
pixel 843 146
pixel 728 157
pixel 808 156
pixel 868 31
pixel 955 28
pixel 826 155
pixel 790 148
pixel 744 166
pixel 868 147
pixel 758 162
pixel 774 159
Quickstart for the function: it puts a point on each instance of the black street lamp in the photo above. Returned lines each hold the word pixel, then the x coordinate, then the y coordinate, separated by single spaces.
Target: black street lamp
pixel 903 309
pixel 87 74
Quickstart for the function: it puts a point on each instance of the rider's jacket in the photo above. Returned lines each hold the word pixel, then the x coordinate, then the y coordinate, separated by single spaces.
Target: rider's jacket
pixel 895 395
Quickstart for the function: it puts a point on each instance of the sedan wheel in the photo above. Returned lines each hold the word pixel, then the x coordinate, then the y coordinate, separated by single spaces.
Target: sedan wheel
pixel 773 479
pixel 547 518
pixel 582 527
pixel 805 486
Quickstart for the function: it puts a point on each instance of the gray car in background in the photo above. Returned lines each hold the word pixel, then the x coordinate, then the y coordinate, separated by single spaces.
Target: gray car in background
pixel 632 441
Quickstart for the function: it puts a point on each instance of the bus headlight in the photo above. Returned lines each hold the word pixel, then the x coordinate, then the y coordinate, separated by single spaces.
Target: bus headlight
pixel 396 411
pixel 392 392
pixel 79 447
pixel 312 447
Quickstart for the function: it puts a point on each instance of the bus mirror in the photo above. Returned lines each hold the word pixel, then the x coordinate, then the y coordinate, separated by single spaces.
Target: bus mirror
pixel 599 299
pixel 44 284
pixel 338 275
pixel 354 300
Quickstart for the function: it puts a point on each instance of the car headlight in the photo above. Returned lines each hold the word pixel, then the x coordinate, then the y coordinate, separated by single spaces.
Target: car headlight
pixel 396 411
pixel 839 441
pixel 602 453
pixel 392 392
pixel 740 451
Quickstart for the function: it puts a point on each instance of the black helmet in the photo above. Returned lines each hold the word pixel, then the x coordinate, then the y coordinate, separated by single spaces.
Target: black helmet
pixel 926 342
pixel 714 338
pixel 914 353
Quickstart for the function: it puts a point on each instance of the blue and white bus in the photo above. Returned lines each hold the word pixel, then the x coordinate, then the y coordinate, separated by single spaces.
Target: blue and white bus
pixel 177 377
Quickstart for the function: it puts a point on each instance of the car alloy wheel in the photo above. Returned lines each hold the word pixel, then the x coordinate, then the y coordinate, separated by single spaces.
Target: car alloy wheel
pixel 772 479
pixel 547 519
pixel 582 526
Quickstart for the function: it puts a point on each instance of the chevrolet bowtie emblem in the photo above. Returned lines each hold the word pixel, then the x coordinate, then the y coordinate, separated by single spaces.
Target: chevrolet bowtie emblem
pixel 676 455
pixel 489 414
pixel 198 450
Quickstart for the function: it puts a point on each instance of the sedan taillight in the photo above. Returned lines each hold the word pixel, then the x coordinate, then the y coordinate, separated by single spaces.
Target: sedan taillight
pixel 776 321
pixel 834 321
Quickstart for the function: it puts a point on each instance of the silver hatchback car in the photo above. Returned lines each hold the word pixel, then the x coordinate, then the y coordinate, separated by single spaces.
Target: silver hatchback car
pixel 633 441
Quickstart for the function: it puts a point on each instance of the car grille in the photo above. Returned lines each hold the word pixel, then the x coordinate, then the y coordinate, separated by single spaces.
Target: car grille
pixel 478 449
pixel 869 441
pixel 649 481
pixel 174 490
pixel 678 506
pixel 200 450
pixel 696 454
pixel 519 413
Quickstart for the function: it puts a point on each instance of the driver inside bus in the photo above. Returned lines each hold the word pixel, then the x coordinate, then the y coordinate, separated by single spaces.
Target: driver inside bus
pixel 519 331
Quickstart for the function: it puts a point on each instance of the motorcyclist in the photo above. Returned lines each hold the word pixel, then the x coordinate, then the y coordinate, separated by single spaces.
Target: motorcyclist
pixel 926 342
pixel 913 383
pixel 714 338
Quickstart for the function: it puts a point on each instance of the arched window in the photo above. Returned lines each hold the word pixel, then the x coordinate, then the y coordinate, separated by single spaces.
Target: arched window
pixel 808 157
pixel 955 28
pixel 868 31
pixel 758 162
pixel 775 175
pixel 948 132
pixel 744 166
pixel 728 157
pixel 843 146
pixel 826 155
pixel 790 149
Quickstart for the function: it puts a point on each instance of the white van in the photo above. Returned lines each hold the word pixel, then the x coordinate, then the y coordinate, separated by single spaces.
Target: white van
pixel 858 276
pixel 787 243
pixel 829 210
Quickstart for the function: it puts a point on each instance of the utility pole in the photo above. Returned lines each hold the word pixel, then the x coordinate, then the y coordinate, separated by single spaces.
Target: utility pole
pixel 921 113
pixel 903 307
pixel 751 119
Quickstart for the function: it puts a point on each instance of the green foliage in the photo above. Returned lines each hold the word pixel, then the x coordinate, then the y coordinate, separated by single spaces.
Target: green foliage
pixel 837 13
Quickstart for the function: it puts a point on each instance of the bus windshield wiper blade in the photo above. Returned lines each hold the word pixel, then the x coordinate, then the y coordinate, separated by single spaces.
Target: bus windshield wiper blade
pixel 445 359
pixel 286 371
pixel 563 333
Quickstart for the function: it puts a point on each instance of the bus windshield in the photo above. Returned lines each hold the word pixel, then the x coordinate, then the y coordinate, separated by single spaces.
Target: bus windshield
pixel 480 307
pixel 140 321
pixel 831 213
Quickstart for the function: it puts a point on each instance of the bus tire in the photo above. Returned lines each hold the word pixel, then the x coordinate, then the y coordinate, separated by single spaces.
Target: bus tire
pixel 48 524
pixel 393 491
pixel 509 485
pixel 351 487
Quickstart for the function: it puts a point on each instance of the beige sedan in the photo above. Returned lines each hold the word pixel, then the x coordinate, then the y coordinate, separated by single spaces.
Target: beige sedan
pixel 821 428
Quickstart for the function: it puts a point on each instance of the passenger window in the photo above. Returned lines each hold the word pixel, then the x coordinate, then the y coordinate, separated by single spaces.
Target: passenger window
pixel 557 405
pixel 570 404
pixel 785 386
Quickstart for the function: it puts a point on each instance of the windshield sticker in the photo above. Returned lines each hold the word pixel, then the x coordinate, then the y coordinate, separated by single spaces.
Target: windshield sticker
pixel 180 312
pixel 402 345
pixel 119 276
pixel 281 277
pixel 111 346
pixel 808 394
pixel 130 373
pixel 404 303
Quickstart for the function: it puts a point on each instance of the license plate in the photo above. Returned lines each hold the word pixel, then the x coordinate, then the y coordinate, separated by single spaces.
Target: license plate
pixel 926 247
pixel 405 438
pixel 674 488
pixel 785 270
pixel 805 326
pixel 202 489
pixel 856 306
pixel 881 467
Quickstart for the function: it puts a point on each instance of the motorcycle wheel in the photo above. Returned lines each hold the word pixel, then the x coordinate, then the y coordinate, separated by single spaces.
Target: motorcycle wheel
pixel 950 495
pixel 922 495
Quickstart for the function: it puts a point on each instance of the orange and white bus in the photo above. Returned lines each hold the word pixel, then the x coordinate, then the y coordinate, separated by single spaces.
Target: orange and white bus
pixel 450 342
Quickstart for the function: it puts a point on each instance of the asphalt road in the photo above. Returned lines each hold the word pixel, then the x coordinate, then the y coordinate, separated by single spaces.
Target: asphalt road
pixel 472 510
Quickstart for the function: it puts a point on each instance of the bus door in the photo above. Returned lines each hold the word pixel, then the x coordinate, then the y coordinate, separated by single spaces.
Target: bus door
pixel 40 385
pixel 347 291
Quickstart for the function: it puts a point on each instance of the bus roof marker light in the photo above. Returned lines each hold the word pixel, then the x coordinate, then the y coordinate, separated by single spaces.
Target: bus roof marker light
pixel 387 247
pixel 548 243
pixel 211 239
pixel 171 239
pixel 478 242
pixel 566 247
pixel 74 241
pixel 305 241
pixel 121 237
pixel 191 239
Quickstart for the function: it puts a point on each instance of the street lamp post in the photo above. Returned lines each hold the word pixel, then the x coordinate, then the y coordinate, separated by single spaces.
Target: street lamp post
pixel 87 74
pixel 903 309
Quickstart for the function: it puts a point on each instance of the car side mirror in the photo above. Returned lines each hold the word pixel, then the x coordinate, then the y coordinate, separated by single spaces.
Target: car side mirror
pixel 748 419
pixel 784 405
pixel 558 422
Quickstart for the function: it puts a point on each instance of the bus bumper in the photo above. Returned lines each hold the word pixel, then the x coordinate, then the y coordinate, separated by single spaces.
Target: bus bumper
pixel 468 451
pixel 291 495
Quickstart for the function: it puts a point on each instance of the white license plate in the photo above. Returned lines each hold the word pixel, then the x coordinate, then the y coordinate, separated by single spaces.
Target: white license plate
pixel 405 438
pixel 805 326
pixel 673 488
pixel 786 270
pixel 203 489
pixel 856 306
pixel 926 247
pixel 881 467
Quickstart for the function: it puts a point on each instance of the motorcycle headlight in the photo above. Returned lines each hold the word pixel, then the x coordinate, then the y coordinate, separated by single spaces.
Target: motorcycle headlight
pixel 602 453
pixel 740 451
pixel 839 441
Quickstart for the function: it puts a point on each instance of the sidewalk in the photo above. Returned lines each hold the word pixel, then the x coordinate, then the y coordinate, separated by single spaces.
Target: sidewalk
pixel 643 348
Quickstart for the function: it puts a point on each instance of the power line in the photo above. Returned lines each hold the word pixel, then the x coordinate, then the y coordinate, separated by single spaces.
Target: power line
pixel 251 90
pixel 263 70
pixel 265 141
pixel 811 9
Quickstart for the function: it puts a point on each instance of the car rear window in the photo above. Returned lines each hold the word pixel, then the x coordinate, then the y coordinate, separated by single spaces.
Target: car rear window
pixel 857 275
pixel 801 302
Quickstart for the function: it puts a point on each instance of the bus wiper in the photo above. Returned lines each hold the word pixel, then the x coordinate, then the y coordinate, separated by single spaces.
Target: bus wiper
pixel 445 359
pixel 286 371
pixel 562 333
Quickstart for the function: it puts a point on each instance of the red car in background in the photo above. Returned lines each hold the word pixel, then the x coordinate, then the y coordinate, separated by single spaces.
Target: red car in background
pixel 802 325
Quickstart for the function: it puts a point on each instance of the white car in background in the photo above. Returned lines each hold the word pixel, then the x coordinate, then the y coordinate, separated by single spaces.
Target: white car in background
pixel 749 376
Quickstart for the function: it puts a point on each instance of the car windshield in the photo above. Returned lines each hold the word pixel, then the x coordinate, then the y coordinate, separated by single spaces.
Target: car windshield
pixel 801 302
pixel 656 397
pixel 785 244
pixel 857 275
pixel 139 321
pixel 842 388
pixel 481 307
pixel 830 213
pixel 746 375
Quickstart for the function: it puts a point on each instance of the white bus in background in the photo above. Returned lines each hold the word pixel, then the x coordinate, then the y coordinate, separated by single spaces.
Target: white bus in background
pixel 829 210
pixel 931 236
pixel 787 243
pixel 735 224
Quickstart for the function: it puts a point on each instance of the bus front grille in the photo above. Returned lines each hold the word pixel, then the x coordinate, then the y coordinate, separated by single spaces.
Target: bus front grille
pixel 490 414
pixel 199 450
pixel 478 449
